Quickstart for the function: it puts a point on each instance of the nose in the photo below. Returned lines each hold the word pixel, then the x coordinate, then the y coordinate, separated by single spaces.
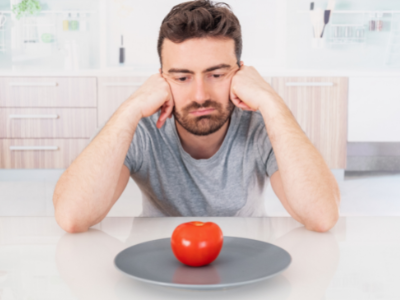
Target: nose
pixel 200 94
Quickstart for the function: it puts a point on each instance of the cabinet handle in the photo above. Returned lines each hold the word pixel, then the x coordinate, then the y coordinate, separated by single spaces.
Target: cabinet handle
pixel 33 83
pixel 132 84
pixel 14 148
pixel 309 83
pixel 33 116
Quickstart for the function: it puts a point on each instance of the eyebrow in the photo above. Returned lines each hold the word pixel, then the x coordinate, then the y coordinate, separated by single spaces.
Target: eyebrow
pixel 217 67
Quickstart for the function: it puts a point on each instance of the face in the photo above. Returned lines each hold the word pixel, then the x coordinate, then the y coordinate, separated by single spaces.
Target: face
pixel 199 72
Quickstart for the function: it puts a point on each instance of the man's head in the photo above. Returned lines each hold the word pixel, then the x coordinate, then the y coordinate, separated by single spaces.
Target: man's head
pixel 199 47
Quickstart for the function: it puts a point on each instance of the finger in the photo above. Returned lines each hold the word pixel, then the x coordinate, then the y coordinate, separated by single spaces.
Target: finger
pixel 163 116
pixel 234 98
pixel 171 102
pixel 167 108
pixel 246 106
pixel 237 102
pixel 166 112
pixel 170 108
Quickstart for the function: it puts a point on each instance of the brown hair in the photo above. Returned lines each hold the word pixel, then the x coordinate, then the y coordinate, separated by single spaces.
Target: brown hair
pixel 200 18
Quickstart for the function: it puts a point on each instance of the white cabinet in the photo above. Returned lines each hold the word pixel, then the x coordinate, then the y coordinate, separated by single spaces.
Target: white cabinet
pixel 374 109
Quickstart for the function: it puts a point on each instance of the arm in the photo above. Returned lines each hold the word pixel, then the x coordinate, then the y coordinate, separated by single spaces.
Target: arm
pixel 305 185
pixel 91 185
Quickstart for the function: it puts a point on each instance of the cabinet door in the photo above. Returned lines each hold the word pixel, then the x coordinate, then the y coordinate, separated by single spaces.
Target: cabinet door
pixel 48 92
pixel 374 109
pixel 112 92
pixel 320 107
pixel 47 122
pixel 39 153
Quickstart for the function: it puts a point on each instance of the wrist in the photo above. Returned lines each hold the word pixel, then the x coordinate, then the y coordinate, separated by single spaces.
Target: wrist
pixel 129 112
pixel 272 105
pixel 265 102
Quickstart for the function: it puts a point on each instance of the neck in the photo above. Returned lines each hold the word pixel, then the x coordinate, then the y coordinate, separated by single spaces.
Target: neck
pixel 202 147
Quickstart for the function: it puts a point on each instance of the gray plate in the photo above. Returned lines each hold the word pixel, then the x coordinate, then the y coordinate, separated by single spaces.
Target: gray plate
pixel 241 261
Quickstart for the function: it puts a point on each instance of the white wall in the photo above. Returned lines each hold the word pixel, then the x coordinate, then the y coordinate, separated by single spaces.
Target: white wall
pixel 275 34
pixel 139 22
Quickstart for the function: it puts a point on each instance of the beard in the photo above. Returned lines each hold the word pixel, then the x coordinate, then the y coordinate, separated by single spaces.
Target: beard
pixel 204 125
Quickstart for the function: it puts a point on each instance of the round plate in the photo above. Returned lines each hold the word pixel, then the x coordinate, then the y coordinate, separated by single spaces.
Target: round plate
pixel 241 261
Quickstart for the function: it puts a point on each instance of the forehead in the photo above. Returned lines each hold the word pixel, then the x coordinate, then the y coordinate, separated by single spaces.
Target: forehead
pixel 198 53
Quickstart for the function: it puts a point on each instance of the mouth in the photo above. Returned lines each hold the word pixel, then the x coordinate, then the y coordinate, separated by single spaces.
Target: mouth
pixel 202 112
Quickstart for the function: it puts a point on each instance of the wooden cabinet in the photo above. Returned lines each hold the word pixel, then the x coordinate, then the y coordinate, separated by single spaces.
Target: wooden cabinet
pixel 45 122
pixel 319 105
pixel 113 91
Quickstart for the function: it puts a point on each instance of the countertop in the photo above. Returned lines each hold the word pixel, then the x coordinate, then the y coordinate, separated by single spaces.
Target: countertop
pixel 357 259
pixel 266 72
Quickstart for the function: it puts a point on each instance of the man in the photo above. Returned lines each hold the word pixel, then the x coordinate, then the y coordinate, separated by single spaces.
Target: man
pixel 200 137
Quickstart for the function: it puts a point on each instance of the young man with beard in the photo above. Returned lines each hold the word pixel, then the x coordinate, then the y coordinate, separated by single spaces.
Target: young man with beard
pixel 200 138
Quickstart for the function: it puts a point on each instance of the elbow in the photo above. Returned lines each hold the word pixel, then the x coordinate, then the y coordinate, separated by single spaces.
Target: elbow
pixel 73 228
pixel 68 224
pixel 321 227
pixel 324 225
pixel 67 221
pixel 328 220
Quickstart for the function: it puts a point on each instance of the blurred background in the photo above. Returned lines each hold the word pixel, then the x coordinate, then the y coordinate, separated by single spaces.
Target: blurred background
pixel 65 66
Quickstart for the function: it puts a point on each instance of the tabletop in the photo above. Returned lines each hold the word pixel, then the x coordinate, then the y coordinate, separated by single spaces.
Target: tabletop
pixel 357 259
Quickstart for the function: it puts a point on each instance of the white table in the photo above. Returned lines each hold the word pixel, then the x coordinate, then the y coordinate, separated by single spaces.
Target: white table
pixel 358 259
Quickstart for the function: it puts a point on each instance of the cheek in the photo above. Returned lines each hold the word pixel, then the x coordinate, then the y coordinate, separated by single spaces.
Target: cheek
pixel 180 96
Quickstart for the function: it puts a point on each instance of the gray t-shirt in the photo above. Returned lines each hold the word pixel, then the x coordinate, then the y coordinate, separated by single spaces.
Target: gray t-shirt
pixel 230 183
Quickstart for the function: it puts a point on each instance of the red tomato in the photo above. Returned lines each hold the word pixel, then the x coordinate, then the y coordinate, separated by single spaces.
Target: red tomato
pixel 196 243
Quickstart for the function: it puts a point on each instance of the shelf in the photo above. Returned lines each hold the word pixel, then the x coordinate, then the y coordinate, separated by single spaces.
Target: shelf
pixel 357 11
pixel 56 11
pixel 347 25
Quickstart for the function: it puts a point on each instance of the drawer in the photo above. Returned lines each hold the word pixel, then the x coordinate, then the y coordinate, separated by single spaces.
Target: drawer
pixel 48 92
pixel 39 153
pixel 47 122
pixel 113 91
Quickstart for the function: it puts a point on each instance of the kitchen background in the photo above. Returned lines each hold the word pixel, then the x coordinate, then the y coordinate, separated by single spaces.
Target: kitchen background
pixel 102 51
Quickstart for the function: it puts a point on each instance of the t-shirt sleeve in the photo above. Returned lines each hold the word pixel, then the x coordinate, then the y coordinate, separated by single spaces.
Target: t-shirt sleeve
pixel 138 146
pixel 266 152
pixel 271 165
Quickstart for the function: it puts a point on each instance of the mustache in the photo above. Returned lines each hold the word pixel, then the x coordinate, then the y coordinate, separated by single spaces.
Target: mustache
pixel 206 104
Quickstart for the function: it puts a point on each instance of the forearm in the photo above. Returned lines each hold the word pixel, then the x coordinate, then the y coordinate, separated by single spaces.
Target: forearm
pixel 85 191
pixel 309 185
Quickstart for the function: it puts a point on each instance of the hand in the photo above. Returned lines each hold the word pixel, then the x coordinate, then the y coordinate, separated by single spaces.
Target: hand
pixel 153 95
pixel 248 89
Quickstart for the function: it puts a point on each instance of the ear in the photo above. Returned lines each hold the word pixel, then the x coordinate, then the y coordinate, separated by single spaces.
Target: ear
pixel 241 63
pixel 160 70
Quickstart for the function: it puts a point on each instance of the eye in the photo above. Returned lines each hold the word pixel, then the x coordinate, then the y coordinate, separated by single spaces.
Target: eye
pixel 182 79
pixel 217 76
